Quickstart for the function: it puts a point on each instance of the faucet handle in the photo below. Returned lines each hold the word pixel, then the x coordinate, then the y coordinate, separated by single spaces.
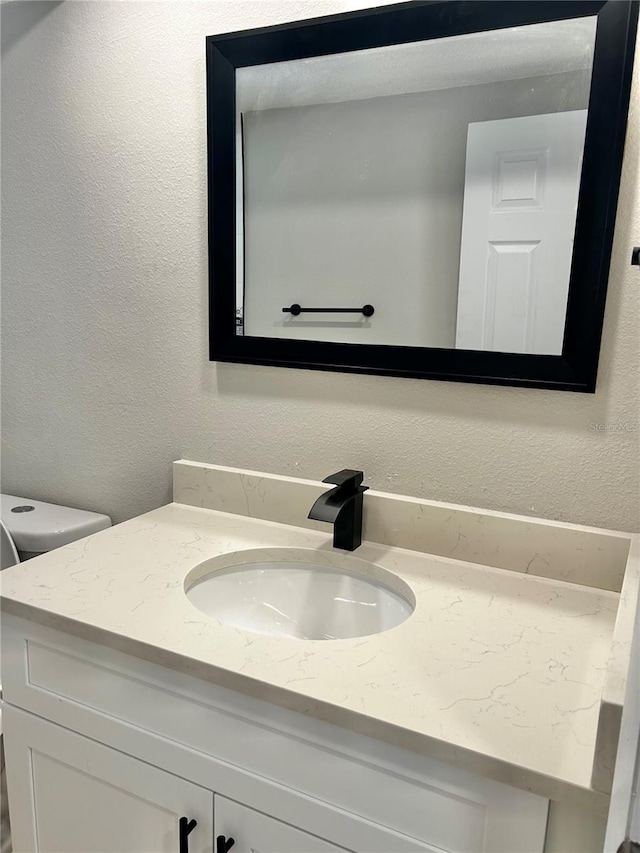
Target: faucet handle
pixel 346 477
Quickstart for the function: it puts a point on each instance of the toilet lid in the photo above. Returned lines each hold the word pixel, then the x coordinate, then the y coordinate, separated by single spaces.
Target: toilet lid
pixel 37 526
pixel 8 553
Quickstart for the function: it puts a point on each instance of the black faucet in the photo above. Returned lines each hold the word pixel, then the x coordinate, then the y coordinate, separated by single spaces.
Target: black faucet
pixel 342 507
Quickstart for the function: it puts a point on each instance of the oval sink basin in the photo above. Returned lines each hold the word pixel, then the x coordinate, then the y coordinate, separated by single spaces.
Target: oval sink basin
pixel 306 595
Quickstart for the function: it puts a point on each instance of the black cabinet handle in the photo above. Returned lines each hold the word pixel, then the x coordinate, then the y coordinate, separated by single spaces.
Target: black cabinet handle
pixel 224 844
pixel 186 826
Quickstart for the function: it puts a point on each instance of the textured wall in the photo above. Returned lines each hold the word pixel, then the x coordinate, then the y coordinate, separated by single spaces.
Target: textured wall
pixel 105 371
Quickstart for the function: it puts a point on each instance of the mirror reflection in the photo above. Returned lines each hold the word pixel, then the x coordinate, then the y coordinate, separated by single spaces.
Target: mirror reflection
pixel 432 184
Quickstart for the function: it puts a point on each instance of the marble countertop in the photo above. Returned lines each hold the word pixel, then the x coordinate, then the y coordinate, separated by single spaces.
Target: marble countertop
pixel 501 672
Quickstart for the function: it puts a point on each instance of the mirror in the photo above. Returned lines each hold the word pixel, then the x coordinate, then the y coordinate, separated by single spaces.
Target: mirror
pixel 412 189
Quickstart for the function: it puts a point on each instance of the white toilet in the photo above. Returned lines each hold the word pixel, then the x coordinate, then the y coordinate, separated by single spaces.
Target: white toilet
pixel 29 528
pixel 33 527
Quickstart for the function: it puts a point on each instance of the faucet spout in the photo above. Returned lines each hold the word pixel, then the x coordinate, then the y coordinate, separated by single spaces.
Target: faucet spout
pixel 342 507
pixel 327 507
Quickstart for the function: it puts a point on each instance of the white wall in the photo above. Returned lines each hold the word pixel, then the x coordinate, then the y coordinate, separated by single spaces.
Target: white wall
pixel 361 202
pixel 105 373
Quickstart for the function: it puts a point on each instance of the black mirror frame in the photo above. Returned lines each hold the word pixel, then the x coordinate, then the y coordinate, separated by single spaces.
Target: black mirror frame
pixel 574 370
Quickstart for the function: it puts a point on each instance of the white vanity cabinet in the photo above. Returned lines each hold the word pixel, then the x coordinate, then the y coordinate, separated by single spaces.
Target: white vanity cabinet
pixel 106 752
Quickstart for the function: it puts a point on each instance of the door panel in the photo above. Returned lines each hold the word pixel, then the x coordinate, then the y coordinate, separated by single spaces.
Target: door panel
pixel 254 832
pixel 69 794
pixel 520 199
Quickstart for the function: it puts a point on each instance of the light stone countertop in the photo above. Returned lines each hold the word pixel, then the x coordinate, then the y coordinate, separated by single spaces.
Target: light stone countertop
pixel 500 672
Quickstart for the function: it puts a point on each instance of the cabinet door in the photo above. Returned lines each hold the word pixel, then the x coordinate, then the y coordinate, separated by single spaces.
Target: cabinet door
pixel 254 832
pixel 69 794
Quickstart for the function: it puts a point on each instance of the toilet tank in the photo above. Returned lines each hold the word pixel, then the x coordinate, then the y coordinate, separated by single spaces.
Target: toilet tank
pixel 37 527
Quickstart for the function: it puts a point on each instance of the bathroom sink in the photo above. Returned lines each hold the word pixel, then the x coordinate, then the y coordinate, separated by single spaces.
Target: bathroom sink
pixel 301 594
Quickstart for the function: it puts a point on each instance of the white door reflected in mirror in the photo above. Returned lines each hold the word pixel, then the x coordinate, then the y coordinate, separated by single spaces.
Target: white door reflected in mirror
pixel 520 203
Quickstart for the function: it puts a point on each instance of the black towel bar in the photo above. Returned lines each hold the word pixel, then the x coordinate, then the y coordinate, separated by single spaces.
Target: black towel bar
pixel 296 309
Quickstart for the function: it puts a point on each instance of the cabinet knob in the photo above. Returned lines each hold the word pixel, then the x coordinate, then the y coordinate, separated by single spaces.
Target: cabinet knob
pixel 186 826
pixel 224 844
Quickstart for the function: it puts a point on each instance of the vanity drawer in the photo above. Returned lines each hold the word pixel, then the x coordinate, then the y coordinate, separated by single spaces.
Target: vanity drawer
pixel 233 744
